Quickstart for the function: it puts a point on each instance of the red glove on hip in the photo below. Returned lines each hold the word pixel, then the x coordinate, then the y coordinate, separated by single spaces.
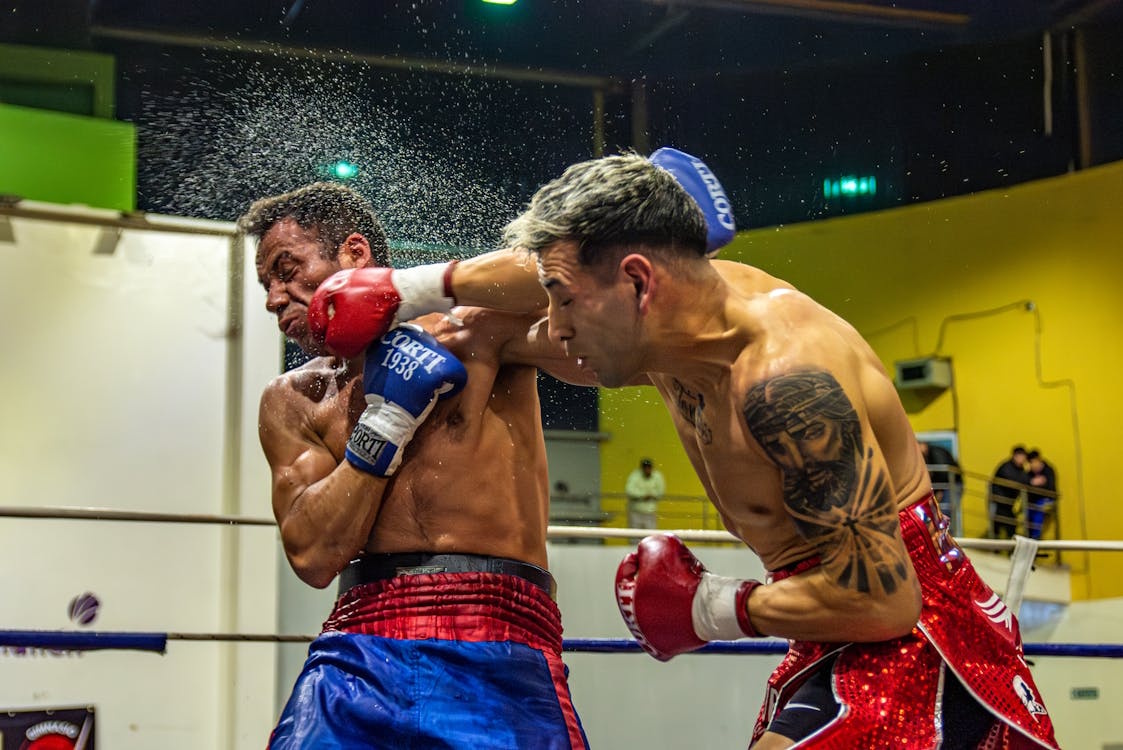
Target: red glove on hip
pixel 672 605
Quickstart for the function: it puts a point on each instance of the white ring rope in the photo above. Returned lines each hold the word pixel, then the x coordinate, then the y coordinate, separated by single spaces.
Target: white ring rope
pixel 113 514
pixel 553 532
pixel 1024 554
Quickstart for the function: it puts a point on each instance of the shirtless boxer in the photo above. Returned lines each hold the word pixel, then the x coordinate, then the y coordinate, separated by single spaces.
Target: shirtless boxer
pixel 445 633
pixel 803 446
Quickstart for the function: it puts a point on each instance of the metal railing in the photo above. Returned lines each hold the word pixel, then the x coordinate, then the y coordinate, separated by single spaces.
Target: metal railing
pixel 610 509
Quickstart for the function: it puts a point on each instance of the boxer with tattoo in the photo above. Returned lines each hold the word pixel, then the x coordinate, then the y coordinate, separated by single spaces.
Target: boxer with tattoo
pixel 801 442
pixel 800 439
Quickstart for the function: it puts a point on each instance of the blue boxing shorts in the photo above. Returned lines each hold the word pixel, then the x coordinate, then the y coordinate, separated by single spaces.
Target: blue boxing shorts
pixel 443 660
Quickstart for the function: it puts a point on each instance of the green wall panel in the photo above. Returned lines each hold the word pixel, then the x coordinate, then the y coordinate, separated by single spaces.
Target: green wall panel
pixel 72 81
pixel 63 158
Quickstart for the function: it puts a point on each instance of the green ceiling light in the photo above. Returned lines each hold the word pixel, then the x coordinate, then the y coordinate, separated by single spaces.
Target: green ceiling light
pixel 344 170
pixel 500 2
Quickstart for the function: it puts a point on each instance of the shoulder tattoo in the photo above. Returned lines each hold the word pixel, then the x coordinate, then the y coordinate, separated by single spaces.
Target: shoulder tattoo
pixel 840 499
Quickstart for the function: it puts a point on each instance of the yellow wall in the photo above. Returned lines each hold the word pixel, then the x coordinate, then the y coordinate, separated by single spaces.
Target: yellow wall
pixel 955 274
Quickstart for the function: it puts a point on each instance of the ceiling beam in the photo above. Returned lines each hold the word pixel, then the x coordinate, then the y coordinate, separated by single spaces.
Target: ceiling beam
pixel 413 64
pixel 835 10
pixel 675 17
pixel 1083 13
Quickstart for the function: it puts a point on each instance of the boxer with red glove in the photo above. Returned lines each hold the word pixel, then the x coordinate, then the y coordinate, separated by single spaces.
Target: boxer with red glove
pixel 673 605
pixel 404 376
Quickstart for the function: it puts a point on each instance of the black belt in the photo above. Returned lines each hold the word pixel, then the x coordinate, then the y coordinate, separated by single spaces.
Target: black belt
pixel 380 567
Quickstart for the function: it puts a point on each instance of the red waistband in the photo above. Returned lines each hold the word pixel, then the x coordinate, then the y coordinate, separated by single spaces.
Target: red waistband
pixel 925 528
pixel 926 500
pixel 451 606
pixel 794 569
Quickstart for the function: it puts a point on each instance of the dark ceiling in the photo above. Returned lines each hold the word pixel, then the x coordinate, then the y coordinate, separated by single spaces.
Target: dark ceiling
pixel 614 38
pixel 233 99
pixel 618 38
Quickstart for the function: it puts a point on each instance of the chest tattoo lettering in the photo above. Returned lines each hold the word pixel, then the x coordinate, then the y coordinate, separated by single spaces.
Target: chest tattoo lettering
pixel 691 405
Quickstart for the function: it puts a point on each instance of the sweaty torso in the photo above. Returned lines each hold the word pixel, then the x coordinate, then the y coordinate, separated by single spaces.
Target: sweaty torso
pixel 474 477
pixel 784 331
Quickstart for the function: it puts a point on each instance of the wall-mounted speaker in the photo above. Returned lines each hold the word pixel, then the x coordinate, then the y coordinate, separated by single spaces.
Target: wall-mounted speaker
pixel 930 372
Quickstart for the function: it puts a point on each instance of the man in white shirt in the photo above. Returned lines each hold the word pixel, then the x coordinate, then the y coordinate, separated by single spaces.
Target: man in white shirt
pixel 644 488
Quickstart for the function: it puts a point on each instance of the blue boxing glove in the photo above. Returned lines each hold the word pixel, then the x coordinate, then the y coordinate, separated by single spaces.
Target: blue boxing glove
pixel 405 374
pixel 693 174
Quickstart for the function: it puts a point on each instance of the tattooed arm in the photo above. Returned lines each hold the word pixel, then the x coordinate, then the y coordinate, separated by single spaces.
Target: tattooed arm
pixel 837 490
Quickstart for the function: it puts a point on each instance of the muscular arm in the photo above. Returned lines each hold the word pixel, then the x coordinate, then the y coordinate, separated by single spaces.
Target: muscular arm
pixel 508 280
pixel 838 491
pixel 528 343
pixel 325 508
pixel 524 340
pixel 501 280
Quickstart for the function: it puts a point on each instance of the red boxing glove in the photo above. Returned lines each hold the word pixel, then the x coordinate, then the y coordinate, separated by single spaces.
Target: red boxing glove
pixel 673 605
pixel 352 308
pixel 355 307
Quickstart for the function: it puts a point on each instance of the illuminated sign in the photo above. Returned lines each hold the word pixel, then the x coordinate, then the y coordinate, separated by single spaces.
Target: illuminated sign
pixel 849 186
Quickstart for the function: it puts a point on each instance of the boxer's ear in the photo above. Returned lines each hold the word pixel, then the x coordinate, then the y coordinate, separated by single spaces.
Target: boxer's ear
pixel 354 251
pixel 639 272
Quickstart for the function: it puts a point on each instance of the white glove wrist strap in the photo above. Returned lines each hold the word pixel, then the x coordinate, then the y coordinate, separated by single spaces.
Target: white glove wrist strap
pixel 389 421
pixel 422 289
pixel 714 609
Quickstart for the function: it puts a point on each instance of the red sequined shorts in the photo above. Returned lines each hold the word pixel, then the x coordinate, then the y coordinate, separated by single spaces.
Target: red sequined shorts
pixel 890 692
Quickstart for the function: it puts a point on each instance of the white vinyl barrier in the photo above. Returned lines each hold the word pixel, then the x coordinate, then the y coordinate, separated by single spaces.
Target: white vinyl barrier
pixel 130 372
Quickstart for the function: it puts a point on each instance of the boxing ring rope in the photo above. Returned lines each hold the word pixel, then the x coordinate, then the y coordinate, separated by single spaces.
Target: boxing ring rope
pixel 156 642
pixel 113 514
pixel 553 532
pixel 62 640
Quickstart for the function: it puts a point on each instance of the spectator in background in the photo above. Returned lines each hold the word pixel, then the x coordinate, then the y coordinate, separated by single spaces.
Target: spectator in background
pixel 645 487
pixel 1039 507
pixel 947 484
pixel 1007 484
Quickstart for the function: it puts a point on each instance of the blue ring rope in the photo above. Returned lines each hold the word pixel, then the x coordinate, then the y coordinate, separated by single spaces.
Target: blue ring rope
pixel 157 642
pixel 91 641
pixel 777 646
